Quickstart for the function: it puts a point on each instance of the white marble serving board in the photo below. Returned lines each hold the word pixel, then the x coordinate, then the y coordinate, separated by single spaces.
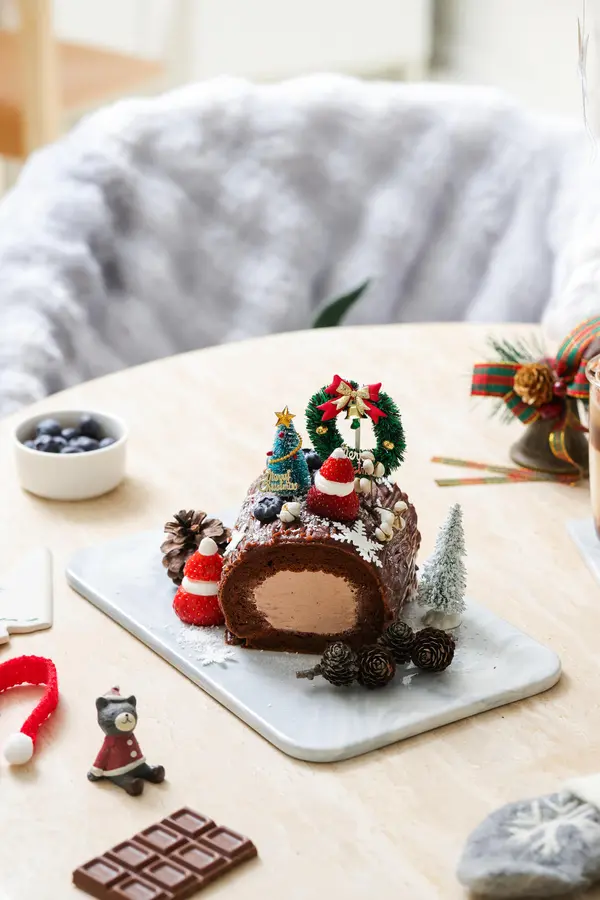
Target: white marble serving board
pixel 495 664
pixel 584 535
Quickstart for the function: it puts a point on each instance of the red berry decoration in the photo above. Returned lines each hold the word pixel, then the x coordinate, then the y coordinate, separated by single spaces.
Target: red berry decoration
pixel 559 388
pixel 376 666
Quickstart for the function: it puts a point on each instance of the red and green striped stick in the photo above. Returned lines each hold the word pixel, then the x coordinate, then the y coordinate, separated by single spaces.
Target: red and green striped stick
pixel 505 474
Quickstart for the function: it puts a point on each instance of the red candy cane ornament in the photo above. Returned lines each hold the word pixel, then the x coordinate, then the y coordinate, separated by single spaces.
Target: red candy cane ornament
pixel 37 670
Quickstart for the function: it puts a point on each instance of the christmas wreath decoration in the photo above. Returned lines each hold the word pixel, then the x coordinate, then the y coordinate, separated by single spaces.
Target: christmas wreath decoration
pixel 358 403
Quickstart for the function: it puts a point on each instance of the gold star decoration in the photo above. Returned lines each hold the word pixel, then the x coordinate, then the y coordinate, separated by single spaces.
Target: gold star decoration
pixel 284 417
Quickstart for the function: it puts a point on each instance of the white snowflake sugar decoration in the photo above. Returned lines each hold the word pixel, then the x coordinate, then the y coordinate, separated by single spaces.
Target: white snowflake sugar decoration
pixel 204 645
pixel 357 536
pixel 530 828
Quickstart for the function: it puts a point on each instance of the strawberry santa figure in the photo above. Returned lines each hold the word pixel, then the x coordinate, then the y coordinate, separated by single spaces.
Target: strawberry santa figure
pixel 333 495
pixel 196 601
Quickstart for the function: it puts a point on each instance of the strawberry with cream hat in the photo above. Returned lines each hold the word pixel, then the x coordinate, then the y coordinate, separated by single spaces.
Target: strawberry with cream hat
pixel 196 601
pixel 333 495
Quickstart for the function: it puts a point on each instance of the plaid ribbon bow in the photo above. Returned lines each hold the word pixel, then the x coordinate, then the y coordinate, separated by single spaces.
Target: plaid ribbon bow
pixel 496 379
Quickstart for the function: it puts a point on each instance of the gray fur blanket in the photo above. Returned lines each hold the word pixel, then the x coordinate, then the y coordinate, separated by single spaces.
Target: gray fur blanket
pixel 226 210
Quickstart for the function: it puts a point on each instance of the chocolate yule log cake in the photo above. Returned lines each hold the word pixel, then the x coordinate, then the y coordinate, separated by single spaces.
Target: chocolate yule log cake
pixel 299 586
pixel 324 547
pixel 323 551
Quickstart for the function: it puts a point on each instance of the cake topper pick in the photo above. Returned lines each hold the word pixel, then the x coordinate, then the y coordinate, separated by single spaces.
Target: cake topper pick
pixel 287 471
pixel 285 417
pixel 359 403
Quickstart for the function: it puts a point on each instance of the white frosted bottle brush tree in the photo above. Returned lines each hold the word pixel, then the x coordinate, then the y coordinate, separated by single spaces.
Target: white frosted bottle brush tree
pixel 444 579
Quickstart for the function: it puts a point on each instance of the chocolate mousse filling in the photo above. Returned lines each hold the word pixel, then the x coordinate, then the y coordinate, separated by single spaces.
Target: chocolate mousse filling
pixel 299 587
pixel 308 600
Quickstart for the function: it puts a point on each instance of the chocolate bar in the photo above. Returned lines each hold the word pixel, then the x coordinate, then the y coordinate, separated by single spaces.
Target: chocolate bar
pixel 170 860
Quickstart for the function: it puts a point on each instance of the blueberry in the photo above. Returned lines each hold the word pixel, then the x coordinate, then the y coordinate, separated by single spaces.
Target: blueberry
pixel 90 428
pixel 70 448
pixel 70 433
pixel 107 441
pixel 30 444
pixel 313 460
pixel 268 508
pixel 47 443
pixel 48 426
pixel 84 443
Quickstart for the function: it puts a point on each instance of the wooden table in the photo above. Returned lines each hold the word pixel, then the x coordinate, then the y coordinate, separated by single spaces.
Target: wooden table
pixel 390 824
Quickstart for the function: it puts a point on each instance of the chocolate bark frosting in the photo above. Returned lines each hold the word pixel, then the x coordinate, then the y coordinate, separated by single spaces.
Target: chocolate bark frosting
pixel 302 585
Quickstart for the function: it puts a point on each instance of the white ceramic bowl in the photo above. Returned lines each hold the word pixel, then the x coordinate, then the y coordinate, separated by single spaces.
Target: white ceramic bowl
pixel 71 476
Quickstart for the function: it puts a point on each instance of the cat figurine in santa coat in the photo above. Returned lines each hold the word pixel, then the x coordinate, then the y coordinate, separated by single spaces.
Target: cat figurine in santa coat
pixel 120 759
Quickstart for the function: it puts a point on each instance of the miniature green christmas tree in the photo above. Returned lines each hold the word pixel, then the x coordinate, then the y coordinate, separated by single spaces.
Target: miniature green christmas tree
pixel 287 472
pixel 444 579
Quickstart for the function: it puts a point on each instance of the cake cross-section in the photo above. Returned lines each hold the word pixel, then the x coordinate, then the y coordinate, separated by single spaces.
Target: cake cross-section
pixel 300 585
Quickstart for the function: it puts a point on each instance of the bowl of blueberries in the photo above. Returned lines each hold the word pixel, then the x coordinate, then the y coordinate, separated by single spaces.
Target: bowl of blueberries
pixel 70 454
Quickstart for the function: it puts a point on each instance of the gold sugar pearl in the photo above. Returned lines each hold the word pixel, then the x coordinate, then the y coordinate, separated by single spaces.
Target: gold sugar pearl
pixel 388 445
pixel 322 429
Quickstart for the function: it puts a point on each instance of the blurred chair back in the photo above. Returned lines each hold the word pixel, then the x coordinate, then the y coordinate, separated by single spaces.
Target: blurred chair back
pixel 226 210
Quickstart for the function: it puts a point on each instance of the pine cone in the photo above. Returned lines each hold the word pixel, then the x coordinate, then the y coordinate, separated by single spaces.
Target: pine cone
pixel 433 649
pixel 338 666
pixel 398 638
pixel 534 383
pixel 184 534
pixel 376 666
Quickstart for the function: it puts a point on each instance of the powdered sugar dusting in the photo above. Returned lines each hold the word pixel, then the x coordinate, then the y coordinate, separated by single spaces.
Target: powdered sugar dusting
pixel 204 645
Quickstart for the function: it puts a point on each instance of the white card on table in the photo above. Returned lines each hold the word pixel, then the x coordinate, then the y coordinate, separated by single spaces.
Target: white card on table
pixel 26 597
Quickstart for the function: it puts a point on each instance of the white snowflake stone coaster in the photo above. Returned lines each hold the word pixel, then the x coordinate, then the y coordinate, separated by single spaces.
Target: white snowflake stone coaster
pixel 26 599
pixel 546 847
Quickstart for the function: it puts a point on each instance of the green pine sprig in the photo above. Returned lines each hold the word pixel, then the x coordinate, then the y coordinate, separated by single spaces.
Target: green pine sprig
pixel 519 350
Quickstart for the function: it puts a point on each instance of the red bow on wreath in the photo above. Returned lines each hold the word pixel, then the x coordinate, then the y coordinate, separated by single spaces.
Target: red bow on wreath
pixel 359 402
